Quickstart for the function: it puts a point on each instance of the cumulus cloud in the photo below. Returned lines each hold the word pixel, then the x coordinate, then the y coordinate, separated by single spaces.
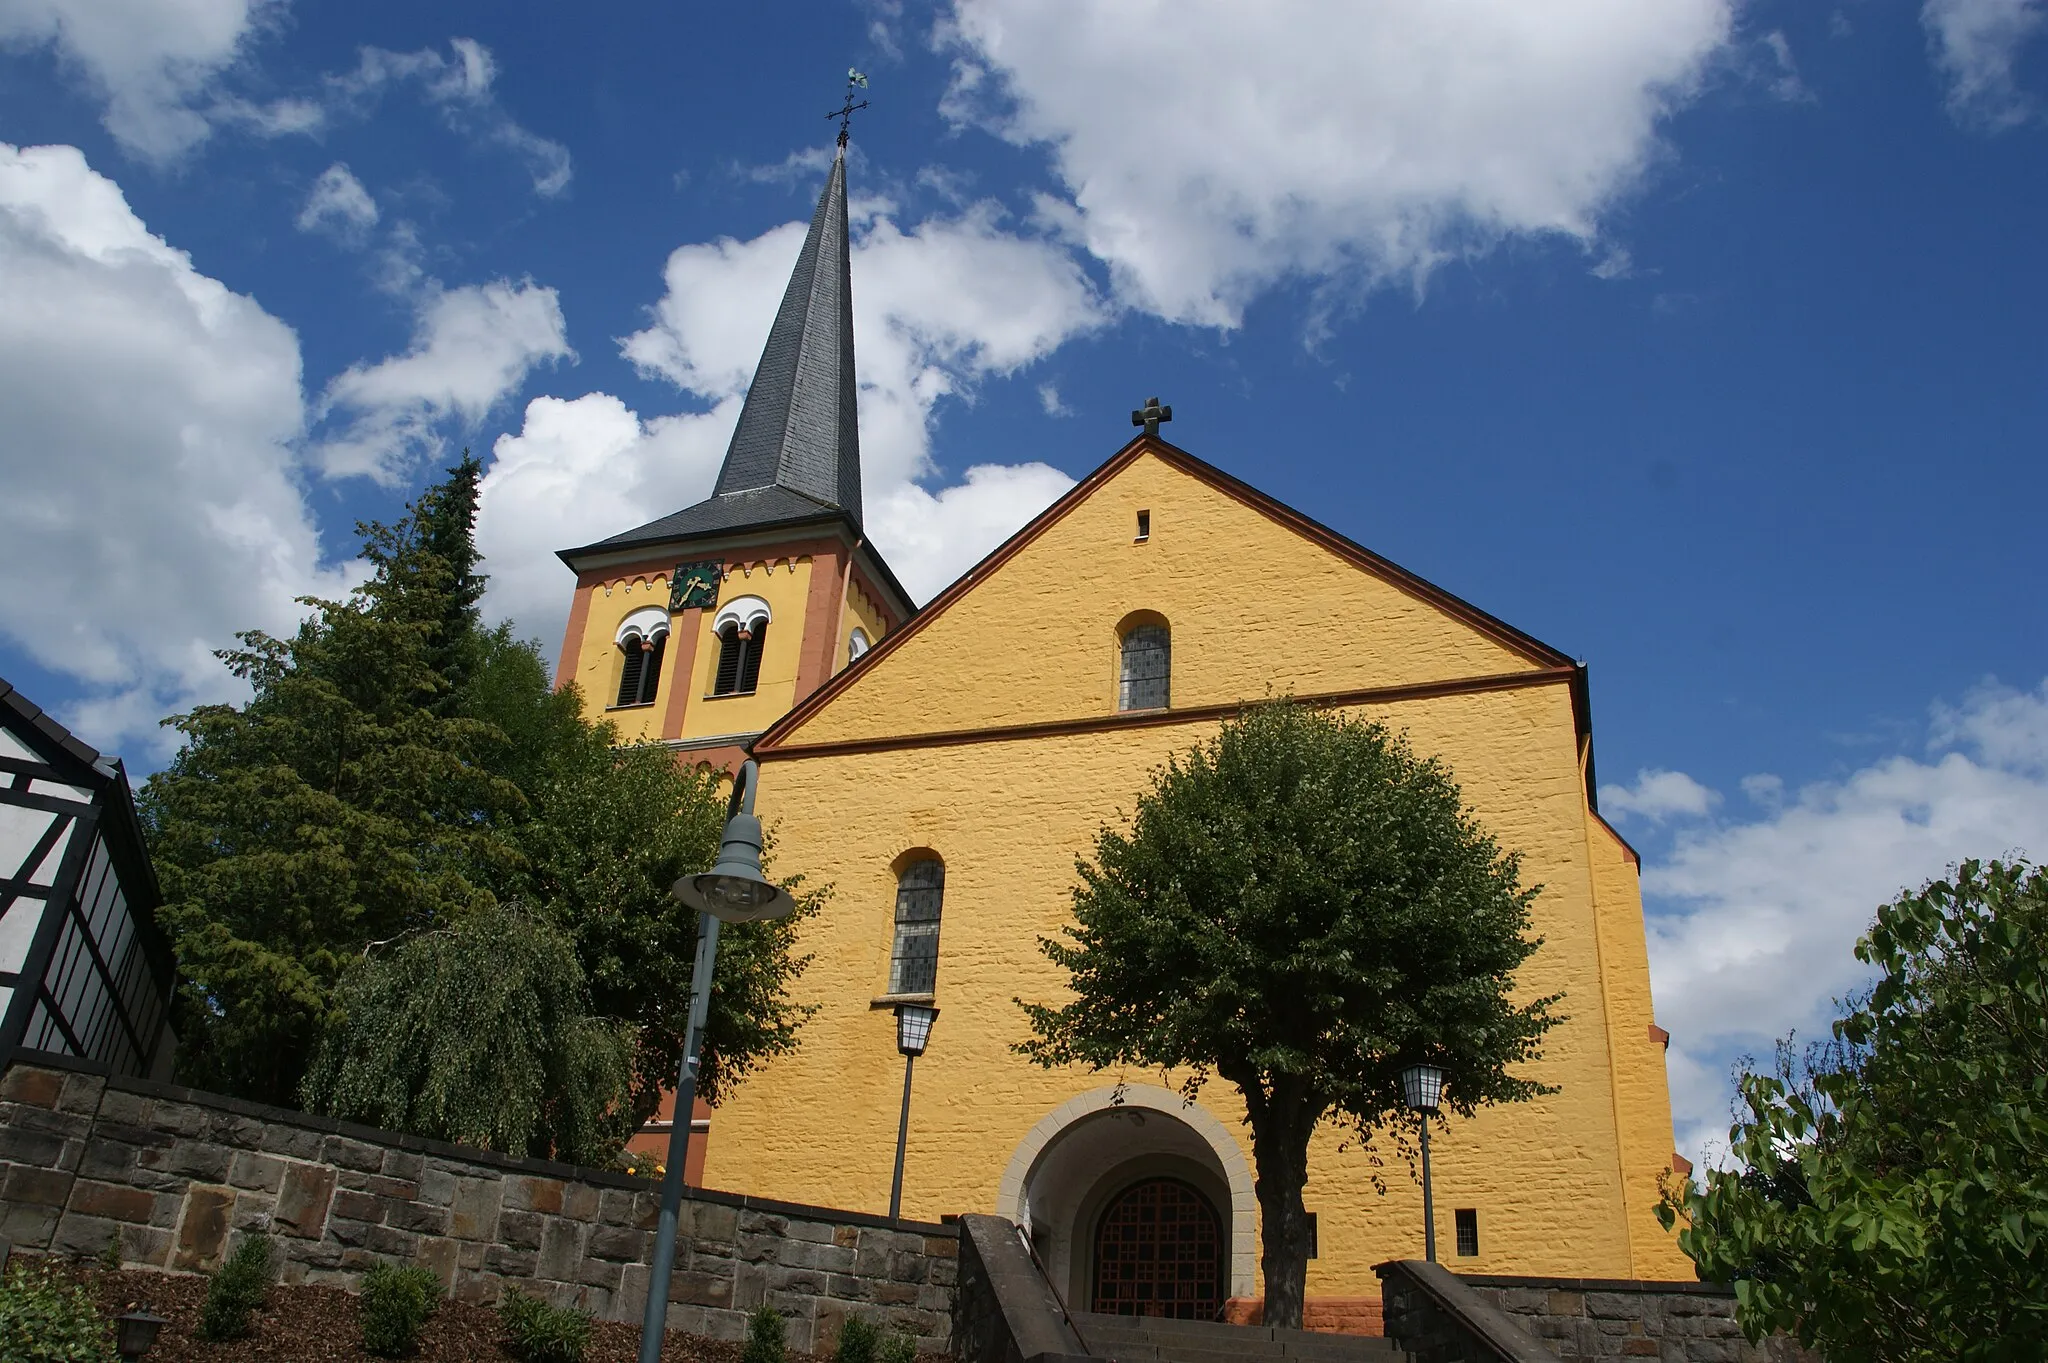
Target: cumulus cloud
pixel 339 204
pixel 1977 46
pixel 1752 922
pixel 1209 148
pixel 939 307
pixel 1657 796
pixel 153 505
pixel 150 62
pixel 472 347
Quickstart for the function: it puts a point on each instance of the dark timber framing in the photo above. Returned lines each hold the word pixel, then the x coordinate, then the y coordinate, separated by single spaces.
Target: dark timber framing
pixel 96 979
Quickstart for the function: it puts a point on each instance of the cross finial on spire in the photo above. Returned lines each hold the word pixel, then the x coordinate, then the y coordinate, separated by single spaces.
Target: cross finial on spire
pixel 854 81
pixel 1150 415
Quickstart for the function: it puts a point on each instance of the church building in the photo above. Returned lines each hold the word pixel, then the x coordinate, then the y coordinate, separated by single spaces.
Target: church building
pixel 942 767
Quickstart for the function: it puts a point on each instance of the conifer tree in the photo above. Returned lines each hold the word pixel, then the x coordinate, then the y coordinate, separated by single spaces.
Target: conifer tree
pixel 1305 908
pixel 400 768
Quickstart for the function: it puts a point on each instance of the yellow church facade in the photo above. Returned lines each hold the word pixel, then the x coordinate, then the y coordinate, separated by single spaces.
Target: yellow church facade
pixel 941 769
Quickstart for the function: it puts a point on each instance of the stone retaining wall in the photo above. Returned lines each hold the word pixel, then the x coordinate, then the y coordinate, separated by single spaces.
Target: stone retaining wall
pixel 1584 1319
pixel 172 1174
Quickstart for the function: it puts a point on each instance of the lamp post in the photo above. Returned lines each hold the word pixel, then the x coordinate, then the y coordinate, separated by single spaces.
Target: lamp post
pixel 913 1030
pixel 1423 1087
pixel 135 1330
pixel 733 891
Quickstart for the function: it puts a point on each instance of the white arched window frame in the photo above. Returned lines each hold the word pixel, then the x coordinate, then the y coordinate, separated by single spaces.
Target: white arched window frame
pixel 741 628
pixel 856 645
pixel 642 638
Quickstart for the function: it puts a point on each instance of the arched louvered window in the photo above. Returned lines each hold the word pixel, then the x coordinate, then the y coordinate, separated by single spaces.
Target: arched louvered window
pixel 1145 670
pixel 920 894
pixel 643 637
pixel 742 629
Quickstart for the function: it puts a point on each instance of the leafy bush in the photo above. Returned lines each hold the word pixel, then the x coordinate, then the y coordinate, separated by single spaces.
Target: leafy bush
pixel 897 1348
pixel 395 1306
pixel 47 1317
pixel 538 1333
pixel 234 1293
pixel 764 1337
pixel 858 1339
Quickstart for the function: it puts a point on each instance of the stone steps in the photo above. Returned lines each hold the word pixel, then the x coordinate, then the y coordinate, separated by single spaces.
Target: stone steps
pixel 1154 1339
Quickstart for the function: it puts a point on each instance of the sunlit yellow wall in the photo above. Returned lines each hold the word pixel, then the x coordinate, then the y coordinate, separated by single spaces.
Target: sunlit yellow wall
pixel 598 658
pixel 785 585
pixel 863 612
pixel 1642 1096
pixel 1253 608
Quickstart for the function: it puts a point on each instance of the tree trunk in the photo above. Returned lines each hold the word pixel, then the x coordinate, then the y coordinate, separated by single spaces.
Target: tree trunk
pixel 1281 1126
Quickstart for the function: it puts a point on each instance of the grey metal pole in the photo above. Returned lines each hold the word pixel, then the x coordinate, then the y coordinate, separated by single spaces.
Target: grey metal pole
pixel 902 1138
pixel 654 1321
pixel 1428 1200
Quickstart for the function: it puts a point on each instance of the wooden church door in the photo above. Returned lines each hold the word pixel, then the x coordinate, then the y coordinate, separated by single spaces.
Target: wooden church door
pixel 1159 1252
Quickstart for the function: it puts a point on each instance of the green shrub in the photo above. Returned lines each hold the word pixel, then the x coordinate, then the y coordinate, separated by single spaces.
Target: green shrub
pixel 395 1306
pixel 49 1317
pixel 898 1348
pixel 764 1337
pixel 234 1293
pixel 857 1341
pixel 538 1333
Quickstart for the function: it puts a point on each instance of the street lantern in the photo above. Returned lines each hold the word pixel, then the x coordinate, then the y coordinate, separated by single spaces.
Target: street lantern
pixel 733 891
pixel 135 1330
pixel 913 1032
pixel 1423 1087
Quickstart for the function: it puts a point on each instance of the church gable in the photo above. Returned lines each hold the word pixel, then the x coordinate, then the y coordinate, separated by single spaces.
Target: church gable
pixel 1237 598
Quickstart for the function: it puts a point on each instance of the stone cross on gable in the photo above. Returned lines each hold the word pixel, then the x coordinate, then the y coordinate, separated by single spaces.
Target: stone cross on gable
pixel 1150 415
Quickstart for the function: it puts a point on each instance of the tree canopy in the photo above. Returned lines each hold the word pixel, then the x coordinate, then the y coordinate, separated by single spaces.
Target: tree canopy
pixel 1303 907
pixel 1890 1198
pixel 398 769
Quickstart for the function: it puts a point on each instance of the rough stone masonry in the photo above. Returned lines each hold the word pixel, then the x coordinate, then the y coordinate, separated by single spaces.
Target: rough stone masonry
pixel 171 1174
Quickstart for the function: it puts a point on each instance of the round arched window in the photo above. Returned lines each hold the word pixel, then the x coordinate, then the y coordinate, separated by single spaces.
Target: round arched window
pixel 856 645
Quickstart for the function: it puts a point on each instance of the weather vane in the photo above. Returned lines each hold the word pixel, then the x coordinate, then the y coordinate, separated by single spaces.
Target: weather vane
pixel 854 81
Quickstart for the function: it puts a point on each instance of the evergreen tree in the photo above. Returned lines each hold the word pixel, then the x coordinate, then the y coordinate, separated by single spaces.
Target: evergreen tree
pixel 398 768
pixel 1305 908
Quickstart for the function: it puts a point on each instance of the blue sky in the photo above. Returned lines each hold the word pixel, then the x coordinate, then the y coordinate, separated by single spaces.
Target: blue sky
pixel 1696 337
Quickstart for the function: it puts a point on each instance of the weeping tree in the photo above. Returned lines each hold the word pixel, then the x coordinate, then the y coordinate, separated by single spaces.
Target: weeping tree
pixel 1303 907
pixel 478 1033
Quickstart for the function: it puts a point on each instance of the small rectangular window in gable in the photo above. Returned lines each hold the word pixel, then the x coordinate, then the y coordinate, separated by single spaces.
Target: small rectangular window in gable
pixel 1468 1231
pixel 1144 525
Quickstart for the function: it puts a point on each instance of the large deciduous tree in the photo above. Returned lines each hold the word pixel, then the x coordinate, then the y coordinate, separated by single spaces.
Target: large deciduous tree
pixel 1889 1203
pixel 398 769
pixel 1304 907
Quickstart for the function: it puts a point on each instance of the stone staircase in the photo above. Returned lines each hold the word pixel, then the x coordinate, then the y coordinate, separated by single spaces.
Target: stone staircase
pixel 1152 1339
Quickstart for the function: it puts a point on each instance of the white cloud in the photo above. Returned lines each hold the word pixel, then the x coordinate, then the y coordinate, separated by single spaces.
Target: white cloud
pixel 932 538
pixel 1752 923
pixel 1049 399
pixel 472 347
pixel 153 505
pixel 149 61
pixel 461 86
pixel 1977 44
pixel 1657 796
pixel 338 203
pixel 579 470
pixel 938 308
pixel 1210 148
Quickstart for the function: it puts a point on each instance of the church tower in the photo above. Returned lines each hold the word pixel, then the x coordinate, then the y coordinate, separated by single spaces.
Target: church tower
pixel 703 627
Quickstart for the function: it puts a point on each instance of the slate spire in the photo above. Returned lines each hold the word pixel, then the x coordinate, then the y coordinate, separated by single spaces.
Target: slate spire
pixel 800 429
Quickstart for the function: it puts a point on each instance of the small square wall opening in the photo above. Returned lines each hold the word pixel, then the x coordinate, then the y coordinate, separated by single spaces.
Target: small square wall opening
pixel 1144 526
pixel 1468 1231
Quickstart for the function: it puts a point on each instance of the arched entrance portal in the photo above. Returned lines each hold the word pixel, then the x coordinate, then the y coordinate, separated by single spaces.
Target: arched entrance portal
pixel 1074 1175
pixel 1159 1251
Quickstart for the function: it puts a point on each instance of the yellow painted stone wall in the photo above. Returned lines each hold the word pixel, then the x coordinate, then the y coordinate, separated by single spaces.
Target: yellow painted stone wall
pixel 782 582
pixel 785 586
pixel 1255 609
pixel 1250 605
